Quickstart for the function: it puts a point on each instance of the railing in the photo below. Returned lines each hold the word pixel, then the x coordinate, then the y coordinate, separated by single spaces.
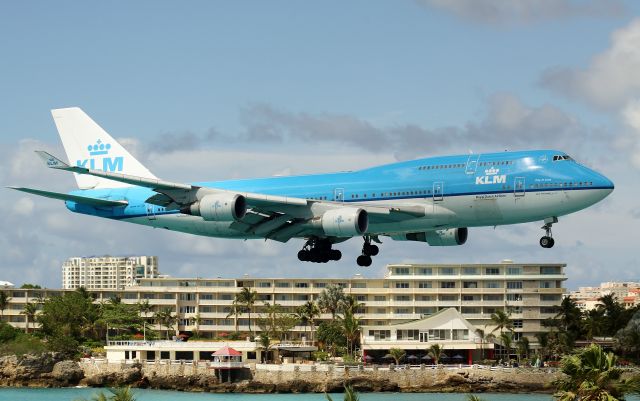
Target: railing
pixel 179 344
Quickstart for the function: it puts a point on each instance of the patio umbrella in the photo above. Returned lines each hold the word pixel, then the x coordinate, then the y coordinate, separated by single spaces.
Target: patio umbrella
pixel 368 358
pixel 388 356
pixel 412 358
pixel 427 358
pixel 458 357
pixel 444 357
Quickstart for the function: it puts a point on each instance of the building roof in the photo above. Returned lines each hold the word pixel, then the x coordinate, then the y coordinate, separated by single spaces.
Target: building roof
pixel 6 284
pixel 448 318
pixel 227 351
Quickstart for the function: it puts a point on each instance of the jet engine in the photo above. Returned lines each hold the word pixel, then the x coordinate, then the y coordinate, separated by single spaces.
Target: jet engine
pixel 345 222
pixel 218 207
pixel 448 237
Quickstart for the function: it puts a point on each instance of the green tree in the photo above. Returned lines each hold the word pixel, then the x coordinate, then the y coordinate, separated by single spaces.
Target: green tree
pixel 628 338
pixel 264 343
pixel 522 348
pixel 350 326
pixel 397 354
pixel 275 322
pixel 28 286
pixel 593 323
pixel 330 299
pixel 4 303
pixel 117 394
pixel 119 316
pixel 435 351
pixel 592 374
pixel 502 321
pixel 247 298
pixel 349 394
pixel 306 314
pixel 197 321
pixel 330 336
pixel 506 339
pixel 29 311
pixel 68 320
pixel 166 318
pixel 613 311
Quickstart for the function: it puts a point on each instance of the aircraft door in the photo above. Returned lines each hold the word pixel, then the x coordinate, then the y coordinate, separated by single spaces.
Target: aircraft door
pixel 472 164
pixel 338 195
pixel 150 212
pixel 519 187
pixel 437 191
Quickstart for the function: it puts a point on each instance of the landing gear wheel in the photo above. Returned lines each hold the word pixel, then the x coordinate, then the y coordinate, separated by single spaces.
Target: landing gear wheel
pixel 335 254
pixel 364 260
pixel 371 250
pixel 547 242
pixel 318 250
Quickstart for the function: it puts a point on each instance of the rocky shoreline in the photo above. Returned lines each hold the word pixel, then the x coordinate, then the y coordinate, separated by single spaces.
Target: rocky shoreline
pixel 50 370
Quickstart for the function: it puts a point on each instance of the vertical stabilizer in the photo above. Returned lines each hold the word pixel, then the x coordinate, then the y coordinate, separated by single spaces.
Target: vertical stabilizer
pixel 88 145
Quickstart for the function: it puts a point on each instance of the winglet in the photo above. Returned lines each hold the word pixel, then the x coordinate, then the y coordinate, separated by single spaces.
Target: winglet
pixel 52 161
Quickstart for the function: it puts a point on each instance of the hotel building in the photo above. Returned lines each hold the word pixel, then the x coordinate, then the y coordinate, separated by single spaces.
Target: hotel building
pixel 411 306
pixel 107 272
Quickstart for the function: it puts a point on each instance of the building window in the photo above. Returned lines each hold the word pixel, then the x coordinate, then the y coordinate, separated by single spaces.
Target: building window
pixel 403 298
pixel 447 271
pixel 514 297
pixel 470 271
pixel 402 271
pixel 550 270
pixel 514 285
pixel 379 298
pixel 547 284
pixel 424 284
pixel 492 271
pixel 402 311
pixel 402 284
pixel 514 271
pixel 282 284
pixel 550 297
pixel 409 335
pixel 361 298
pixel 380 334
pixel 188 297
pixel 302 285
pixel 449 298
pixel 470 297
pixel 447 284
pixel 187 309
pixel 320 285
pixel 425 298
pixel 470 284
pixel 425 271
pixel 492 284
pixel 359 285
pixel 206 296
pixel 517 323
pixel 438 334
pixel 264 284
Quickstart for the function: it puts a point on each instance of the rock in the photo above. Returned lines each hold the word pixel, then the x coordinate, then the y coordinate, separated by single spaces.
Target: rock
pixel 67 372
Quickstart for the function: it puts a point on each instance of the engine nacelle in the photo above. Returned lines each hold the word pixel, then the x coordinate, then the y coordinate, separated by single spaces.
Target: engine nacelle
pixel 448 237
pixel 218 207
pixel 345 222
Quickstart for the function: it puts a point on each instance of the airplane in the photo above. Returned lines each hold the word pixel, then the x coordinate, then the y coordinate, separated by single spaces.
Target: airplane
pixel 432 200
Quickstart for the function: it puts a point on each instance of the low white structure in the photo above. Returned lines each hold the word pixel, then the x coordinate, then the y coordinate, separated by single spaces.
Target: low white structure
pixel 118 351
pixel 6 284
pixel 447 328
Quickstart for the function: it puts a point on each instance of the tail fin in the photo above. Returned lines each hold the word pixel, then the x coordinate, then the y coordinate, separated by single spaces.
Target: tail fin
pixel 88 145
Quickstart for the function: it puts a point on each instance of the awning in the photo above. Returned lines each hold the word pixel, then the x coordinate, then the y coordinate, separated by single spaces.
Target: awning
pixel 227 351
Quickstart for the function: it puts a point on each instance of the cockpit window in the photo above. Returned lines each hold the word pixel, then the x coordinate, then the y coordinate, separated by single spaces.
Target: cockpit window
pixel 561 157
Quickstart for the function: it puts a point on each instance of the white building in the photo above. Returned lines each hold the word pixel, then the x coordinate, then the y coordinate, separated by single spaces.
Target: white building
pixel 627 292
pixel 107 272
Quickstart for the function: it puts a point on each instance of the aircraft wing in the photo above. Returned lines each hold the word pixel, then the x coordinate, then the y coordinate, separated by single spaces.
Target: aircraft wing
pixel 275 217
pixel 74 198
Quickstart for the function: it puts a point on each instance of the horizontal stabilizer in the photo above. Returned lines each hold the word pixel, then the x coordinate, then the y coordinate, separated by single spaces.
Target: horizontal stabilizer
pixel 74 198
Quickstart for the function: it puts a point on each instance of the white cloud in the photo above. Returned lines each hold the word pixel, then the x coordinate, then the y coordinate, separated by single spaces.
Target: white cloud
pixel 24 206
pixel 505 12
pixel 610 80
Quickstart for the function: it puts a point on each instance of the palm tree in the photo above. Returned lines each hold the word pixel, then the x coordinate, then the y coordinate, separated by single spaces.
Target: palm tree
pixel 29 311
pixel 473 397
pixel 330 299
pixel 502 321
pixel 349 394
pixel 165 318
pixel 484 339
pixel 592 375
pixel 247 298
pixel 350 304
pixel 507 339
pixel 522 347
pixel 307 314
pixel 436 352
pixel 351 329
pixel 592 323
pixel 4 303
pixel 236 310
pixel 197 321
pixel 397 354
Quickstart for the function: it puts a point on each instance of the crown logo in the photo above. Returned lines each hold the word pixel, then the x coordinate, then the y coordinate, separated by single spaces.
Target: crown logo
pixel 491 171
pixel 99 148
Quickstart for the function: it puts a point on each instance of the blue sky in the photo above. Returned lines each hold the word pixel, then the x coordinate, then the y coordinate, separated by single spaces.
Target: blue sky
pixel 213 90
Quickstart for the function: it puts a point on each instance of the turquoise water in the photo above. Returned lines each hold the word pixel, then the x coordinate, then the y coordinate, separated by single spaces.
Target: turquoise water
pixel 71 394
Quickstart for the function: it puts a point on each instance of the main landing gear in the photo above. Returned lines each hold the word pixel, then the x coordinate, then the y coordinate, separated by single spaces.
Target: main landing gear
pixel 368 250
pixel 318 250
pixel 547 241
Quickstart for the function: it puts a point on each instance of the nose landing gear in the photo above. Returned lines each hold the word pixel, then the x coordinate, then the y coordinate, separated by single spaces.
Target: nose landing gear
pixel 547 240
pixel 368 250
pixel 318 250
